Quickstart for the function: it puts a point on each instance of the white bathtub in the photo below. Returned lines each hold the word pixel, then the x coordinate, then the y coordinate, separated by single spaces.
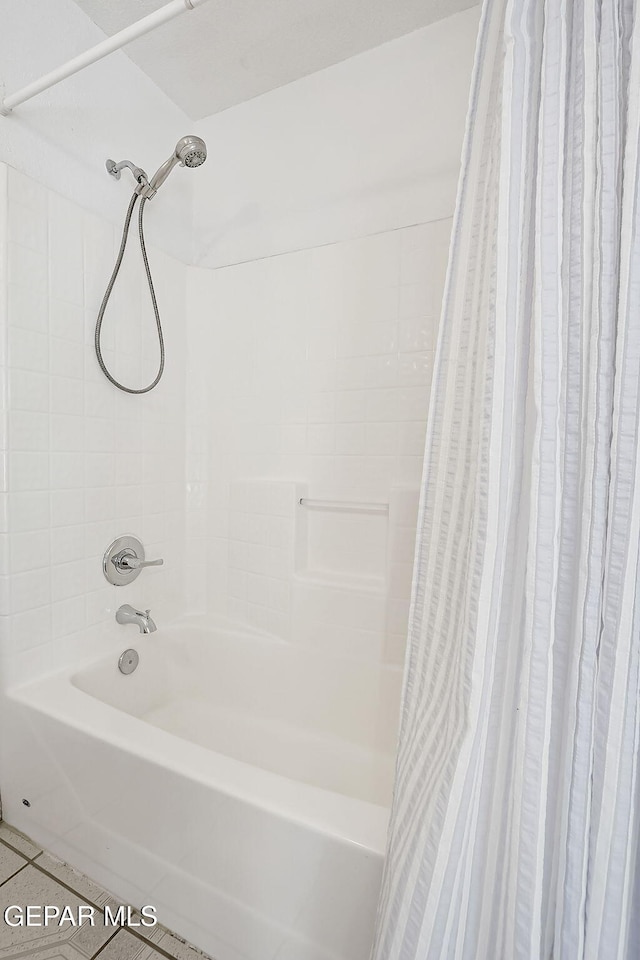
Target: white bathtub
pixel 238 783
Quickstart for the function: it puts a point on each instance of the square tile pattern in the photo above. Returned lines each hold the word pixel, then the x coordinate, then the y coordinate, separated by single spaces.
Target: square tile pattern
pixel 31 876
pixel 84 462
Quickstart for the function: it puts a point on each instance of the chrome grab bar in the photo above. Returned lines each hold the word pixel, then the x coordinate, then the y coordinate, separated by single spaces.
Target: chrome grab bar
pixel 348 506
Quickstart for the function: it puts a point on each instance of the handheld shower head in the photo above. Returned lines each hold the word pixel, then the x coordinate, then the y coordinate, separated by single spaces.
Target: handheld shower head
pixel 189 152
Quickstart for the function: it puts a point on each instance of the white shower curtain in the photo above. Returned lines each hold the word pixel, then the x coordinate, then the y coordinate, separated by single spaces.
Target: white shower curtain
pixel 515 824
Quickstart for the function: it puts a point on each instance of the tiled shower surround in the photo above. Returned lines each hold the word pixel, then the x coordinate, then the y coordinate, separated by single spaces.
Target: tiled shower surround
pixel 84 462
pixel 309 376
pixel 304 375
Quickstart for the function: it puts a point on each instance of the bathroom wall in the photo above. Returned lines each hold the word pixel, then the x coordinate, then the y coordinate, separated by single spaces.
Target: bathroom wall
pixel 367 145
pixel 63 136
pixel 83 463
pixel 311 342
pixel 313 371
pixel 301 374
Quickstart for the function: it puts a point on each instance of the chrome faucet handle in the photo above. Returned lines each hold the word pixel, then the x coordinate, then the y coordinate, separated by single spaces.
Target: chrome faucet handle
pixel 129 561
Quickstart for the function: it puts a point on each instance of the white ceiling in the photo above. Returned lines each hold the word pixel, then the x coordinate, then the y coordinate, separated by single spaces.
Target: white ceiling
pixel 228 51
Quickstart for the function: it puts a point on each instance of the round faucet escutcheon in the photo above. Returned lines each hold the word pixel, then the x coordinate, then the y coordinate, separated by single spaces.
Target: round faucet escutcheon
pixel 124 560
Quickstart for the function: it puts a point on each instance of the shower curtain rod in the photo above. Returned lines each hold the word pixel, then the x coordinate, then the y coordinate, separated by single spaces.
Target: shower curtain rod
pixel 102 49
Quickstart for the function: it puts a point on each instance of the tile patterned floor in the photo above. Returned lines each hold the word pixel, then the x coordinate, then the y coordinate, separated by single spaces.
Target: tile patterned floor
pixel 29 875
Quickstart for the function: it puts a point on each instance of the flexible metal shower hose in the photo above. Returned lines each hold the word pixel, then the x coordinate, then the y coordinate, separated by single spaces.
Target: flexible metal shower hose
pixel 110 285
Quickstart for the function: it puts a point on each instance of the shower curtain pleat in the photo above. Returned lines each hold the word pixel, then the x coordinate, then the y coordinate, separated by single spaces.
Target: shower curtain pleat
pixel 516 814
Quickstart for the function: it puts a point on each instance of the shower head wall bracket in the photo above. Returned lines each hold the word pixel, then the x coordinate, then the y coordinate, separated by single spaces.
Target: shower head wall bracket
pixel 114 170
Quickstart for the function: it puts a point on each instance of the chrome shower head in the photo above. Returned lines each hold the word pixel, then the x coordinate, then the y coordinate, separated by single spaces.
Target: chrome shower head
pixel 189 152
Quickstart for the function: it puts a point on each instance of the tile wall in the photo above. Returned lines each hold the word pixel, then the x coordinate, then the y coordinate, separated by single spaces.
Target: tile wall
pixel 309 376
pixel 84 462
pixel 302 375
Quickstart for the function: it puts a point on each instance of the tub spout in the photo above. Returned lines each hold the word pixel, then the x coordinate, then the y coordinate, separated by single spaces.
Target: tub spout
pixel 128 614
